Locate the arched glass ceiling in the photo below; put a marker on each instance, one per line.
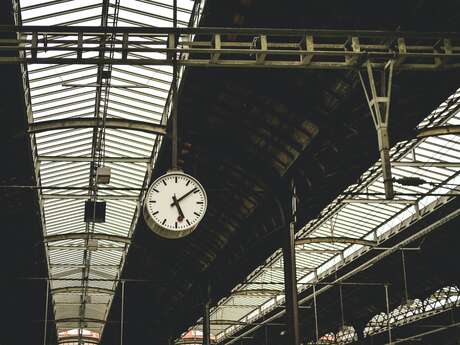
(84, 274)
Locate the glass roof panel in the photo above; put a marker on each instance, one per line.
(59, 92)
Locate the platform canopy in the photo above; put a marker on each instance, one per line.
(81, 117)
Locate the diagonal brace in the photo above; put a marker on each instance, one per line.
(378, 96)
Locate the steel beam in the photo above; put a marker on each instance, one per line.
(345, 240)
(49, 196)
(79, 290)
(378, 201)
(420, 164)
(278, 48)
(81, 266)
(74, 340)
(257, 292)
(85, 236)
(78, 319)
(89, 159)
(437, 131)
(207, 323)
(378, 96)
(290, 274)
(51, 125)
(107, 248)
(317, 251)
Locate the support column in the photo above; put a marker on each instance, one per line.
(45, 328)
(387, 302)
(206, 317)
(378, 97)
(290, 276)
(122, 312)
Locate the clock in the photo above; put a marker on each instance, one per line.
(174, 205)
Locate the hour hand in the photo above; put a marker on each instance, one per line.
(179, 209)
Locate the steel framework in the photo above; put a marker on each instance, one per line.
(229, 47)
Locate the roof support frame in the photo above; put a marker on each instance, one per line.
(423, 47)
(84, 236)
(49, 125)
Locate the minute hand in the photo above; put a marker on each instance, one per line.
(185, 195)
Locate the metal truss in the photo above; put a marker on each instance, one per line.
(230, 47)
(441, 300)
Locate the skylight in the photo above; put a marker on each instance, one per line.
(83, 272)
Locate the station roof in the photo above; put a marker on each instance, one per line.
(250, 132)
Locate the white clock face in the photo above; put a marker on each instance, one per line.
(175, 202)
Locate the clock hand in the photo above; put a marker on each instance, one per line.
(184, 196)
(179, 209)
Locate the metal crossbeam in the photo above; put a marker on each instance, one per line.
(90, 159)
(420, 164)
(437, 131)
(147, 127)
(85, 236)
(231, 47)
(85, 197)
(345, 240)
(79, 290)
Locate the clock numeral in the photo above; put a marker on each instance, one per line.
(176, 225)
(154, 213)
(175, 179)
(155, 190)
(187, 221)
(199, 202)
(196, 190)
(196, 213)
(188, 182)
(163, 222)
(164, 182)
(152, 201)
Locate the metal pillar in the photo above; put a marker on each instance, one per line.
(388, 314)
(290, 276)
(316, 314)
(122, 316)
(206, 318)
(378, 99)
(174, 144)
(45, 328)
(406, 292)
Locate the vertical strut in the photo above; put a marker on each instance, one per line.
(316, 314)
(388, 314)
(206, 315)
(122, 316)
(378, 99)
(174, 148)
(46, 311)
(406, 293)
(290, 275)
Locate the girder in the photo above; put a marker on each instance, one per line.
(252, 48)
(346, 240)
(79, 290)
(85, 236)
(50, 125)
